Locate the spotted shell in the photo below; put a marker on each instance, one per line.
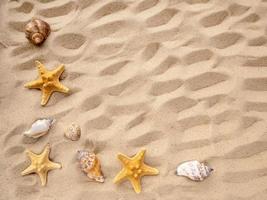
(37, 31)
(194, 170)
(73, 132)
(90, 165)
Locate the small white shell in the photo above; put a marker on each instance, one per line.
(194, 170)
(39, 128)
(73, 132)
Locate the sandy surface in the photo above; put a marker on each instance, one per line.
(185, 79)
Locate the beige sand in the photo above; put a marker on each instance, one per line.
(186, 79)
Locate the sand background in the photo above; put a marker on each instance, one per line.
(185, 79)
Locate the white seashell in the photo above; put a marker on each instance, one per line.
(73, 132)
(39, 128)
(194, 170)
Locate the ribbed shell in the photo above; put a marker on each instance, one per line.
(37, 31)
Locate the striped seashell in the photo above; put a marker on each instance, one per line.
(37, 31)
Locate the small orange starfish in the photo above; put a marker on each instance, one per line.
(48, 82)
(133, 169)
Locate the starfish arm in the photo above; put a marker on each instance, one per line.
(43, 177)
(28, 170)
(46, 94)
(147, 170)
(136, 184)
(46, 151)
(31, 155)
(59, 70)
(120, 176)
(124, 159)
(140, 155)
(40, 67)
(53, 165)
(61, 88)
(36, 84)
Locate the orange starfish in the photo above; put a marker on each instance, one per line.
(48, 82)
(133, 169)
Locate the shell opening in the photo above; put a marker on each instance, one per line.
(38, 38)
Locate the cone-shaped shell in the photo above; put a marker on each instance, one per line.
(194, 170)
(90, 165)
(37, 31)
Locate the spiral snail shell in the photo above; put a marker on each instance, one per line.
(37, 31)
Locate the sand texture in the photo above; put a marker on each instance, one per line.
(185, 79)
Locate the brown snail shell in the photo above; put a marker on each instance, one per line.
(37, 31)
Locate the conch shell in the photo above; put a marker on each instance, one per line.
(39, 128)
(73, 132)
(37, 31)
(90, 165)
(194, 170)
